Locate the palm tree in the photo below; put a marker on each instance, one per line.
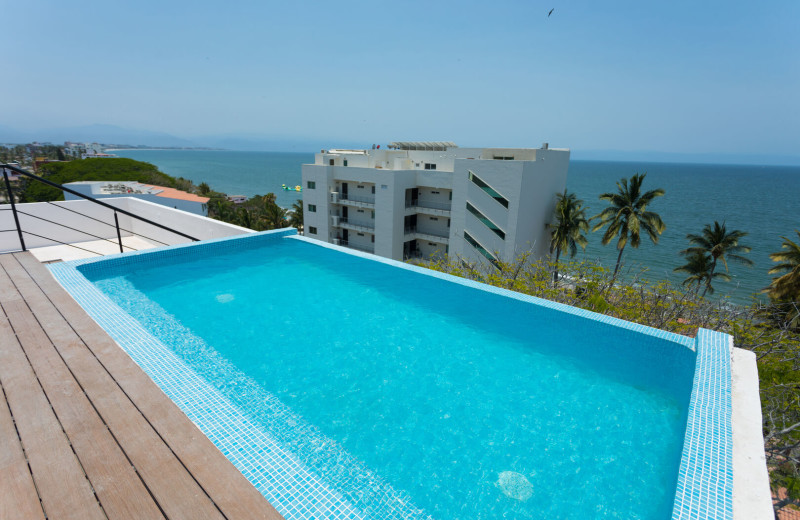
(627, 215)
(720, 244)
(699, 268)
(296, 216)
(567, 231)
(273, 214)
(786, 288)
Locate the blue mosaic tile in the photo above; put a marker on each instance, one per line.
(705, 479)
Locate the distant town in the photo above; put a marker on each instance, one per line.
(29, 155)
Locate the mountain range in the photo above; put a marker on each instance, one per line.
(111, 134)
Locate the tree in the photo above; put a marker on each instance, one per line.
(785, 289)
(567, 232)
(627, 216)
(274, 215)
(699, 267)
(204, 189)
(720, 244)
(296, 215)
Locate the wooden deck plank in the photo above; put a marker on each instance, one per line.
(18, 496)
(114, 480)
(166, 478)
(60, 480)
(236, 497)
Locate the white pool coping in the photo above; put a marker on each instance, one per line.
(752, 499)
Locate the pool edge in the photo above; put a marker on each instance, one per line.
(708, 345)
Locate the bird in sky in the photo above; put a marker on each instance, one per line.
(551, 12)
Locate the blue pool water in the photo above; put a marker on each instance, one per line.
(463, 403)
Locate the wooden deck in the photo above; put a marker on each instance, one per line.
(84, 432)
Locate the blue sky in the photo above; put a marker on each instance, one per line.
(694, 77)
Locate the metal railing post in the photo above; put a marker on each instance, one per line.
(119, 236)
(14, 209)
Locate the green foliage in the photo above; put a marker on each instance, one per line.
(116, 169)
(627, 215)
(567, 233)
(296, 215)
(715, 243)
(784, 290)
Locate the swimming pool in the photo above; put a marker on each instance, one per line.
(347, 387)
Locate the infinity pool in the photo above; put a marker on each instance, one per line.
(408, 396)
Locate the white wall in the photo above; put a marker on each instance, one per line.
(95, 221)
(102, 223)
(191, 206)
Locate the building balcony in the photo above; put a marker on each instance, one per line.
(356, 225)
(429, 207)
(352, 200)
(414, 233)
(360, 247)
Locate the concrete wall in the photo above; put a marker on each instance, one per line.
(96, 221)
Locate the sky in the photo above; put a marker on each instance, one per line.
(708, 77)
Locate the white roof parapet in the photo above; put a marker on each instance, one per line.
(435, 146)
(344, 151)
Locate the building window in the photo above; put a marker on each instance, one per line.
(312, 230)
(345, 162)
(488, 189)
(451, 195)
(434, 193)
(373, 190)
(373, 239)
(430, 166)
(482, 250)
(330, 162)
(373, 214)
(311, 185)
(502, 158)
(360, 210)
(360, 187)
(433, 218)
(491, 225)
(360, 234)
(312, 208)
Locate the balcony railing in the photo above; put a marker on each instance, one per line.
(430, 204)
(360, 247)
(368, 224)
(411, 230)
(353, 198)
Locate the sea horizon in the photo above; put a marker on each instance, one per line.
(757, 199)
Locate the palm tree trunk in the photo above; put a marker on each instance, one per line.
(710, 277)
(616, 269)
(555, 270)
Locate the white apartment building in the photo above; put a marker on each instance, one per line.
(419, 199)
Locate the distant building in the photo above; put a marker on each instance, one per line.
(417, 199)
(237, 199)
(159, 194)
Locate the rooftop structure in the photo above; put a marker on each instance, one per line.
(421, 199)
(171, 197)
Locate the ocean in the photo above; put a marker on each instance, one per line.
(763, 201)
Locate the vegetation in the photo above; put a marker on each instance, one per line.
(784, 290)
(296, 215)
(116, 169)
(715, 243)
(567, 232)
(258, 213)
(627, 215)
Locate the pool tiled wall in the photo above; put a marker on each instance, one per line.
(704, 488)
